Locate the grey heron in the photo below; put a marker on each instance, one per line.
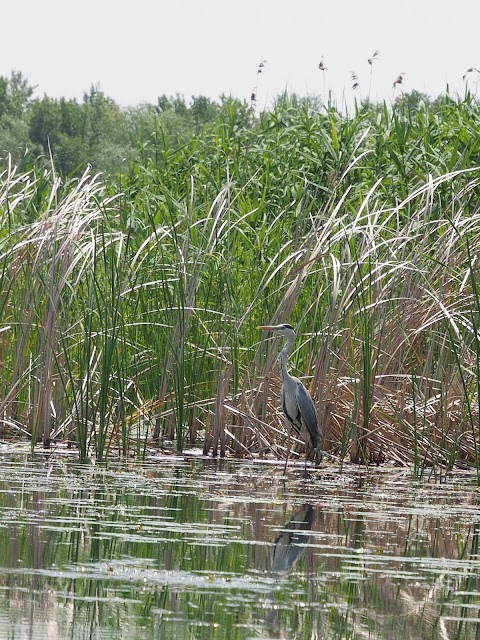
(297, 404)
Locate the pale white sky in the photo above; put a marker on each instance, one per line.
(137, 50)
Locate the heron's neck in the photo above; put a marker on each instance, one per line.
(286, 351)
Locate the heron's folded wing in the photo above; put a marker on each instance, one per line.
(308, 412)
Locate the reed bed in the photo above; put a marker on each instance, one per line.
(130, 305)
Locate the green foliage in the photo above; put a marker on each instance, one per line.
(98, 132)
(15, 99)
(15, 95)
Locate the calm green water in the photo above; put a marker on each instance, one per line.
(190, 549)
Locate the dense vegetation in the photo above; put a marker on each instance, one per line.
(130, 302)
(97, 131)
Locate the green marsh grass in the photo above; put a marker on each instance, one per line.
(130, 307)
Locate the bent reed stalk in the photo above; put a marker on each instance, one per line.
(129, 315)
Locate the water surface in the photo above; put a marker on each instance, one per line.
(192, 549)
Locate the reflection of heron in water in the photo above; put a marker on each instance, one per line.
(289, 548)
(290, 544)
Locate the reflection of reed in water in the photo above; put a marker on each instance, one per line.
(450, 606)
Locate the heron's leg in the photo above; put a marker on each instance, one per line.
(288, 450)
(308, 455)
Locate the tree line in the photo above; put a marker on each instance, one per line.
(96, 130)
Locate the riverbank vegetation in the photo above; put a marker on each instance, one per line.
(130, 299)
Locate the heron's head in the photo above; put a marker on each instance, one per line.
(283, 329)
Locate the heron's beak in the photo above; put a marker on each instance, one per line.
(266, 327)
